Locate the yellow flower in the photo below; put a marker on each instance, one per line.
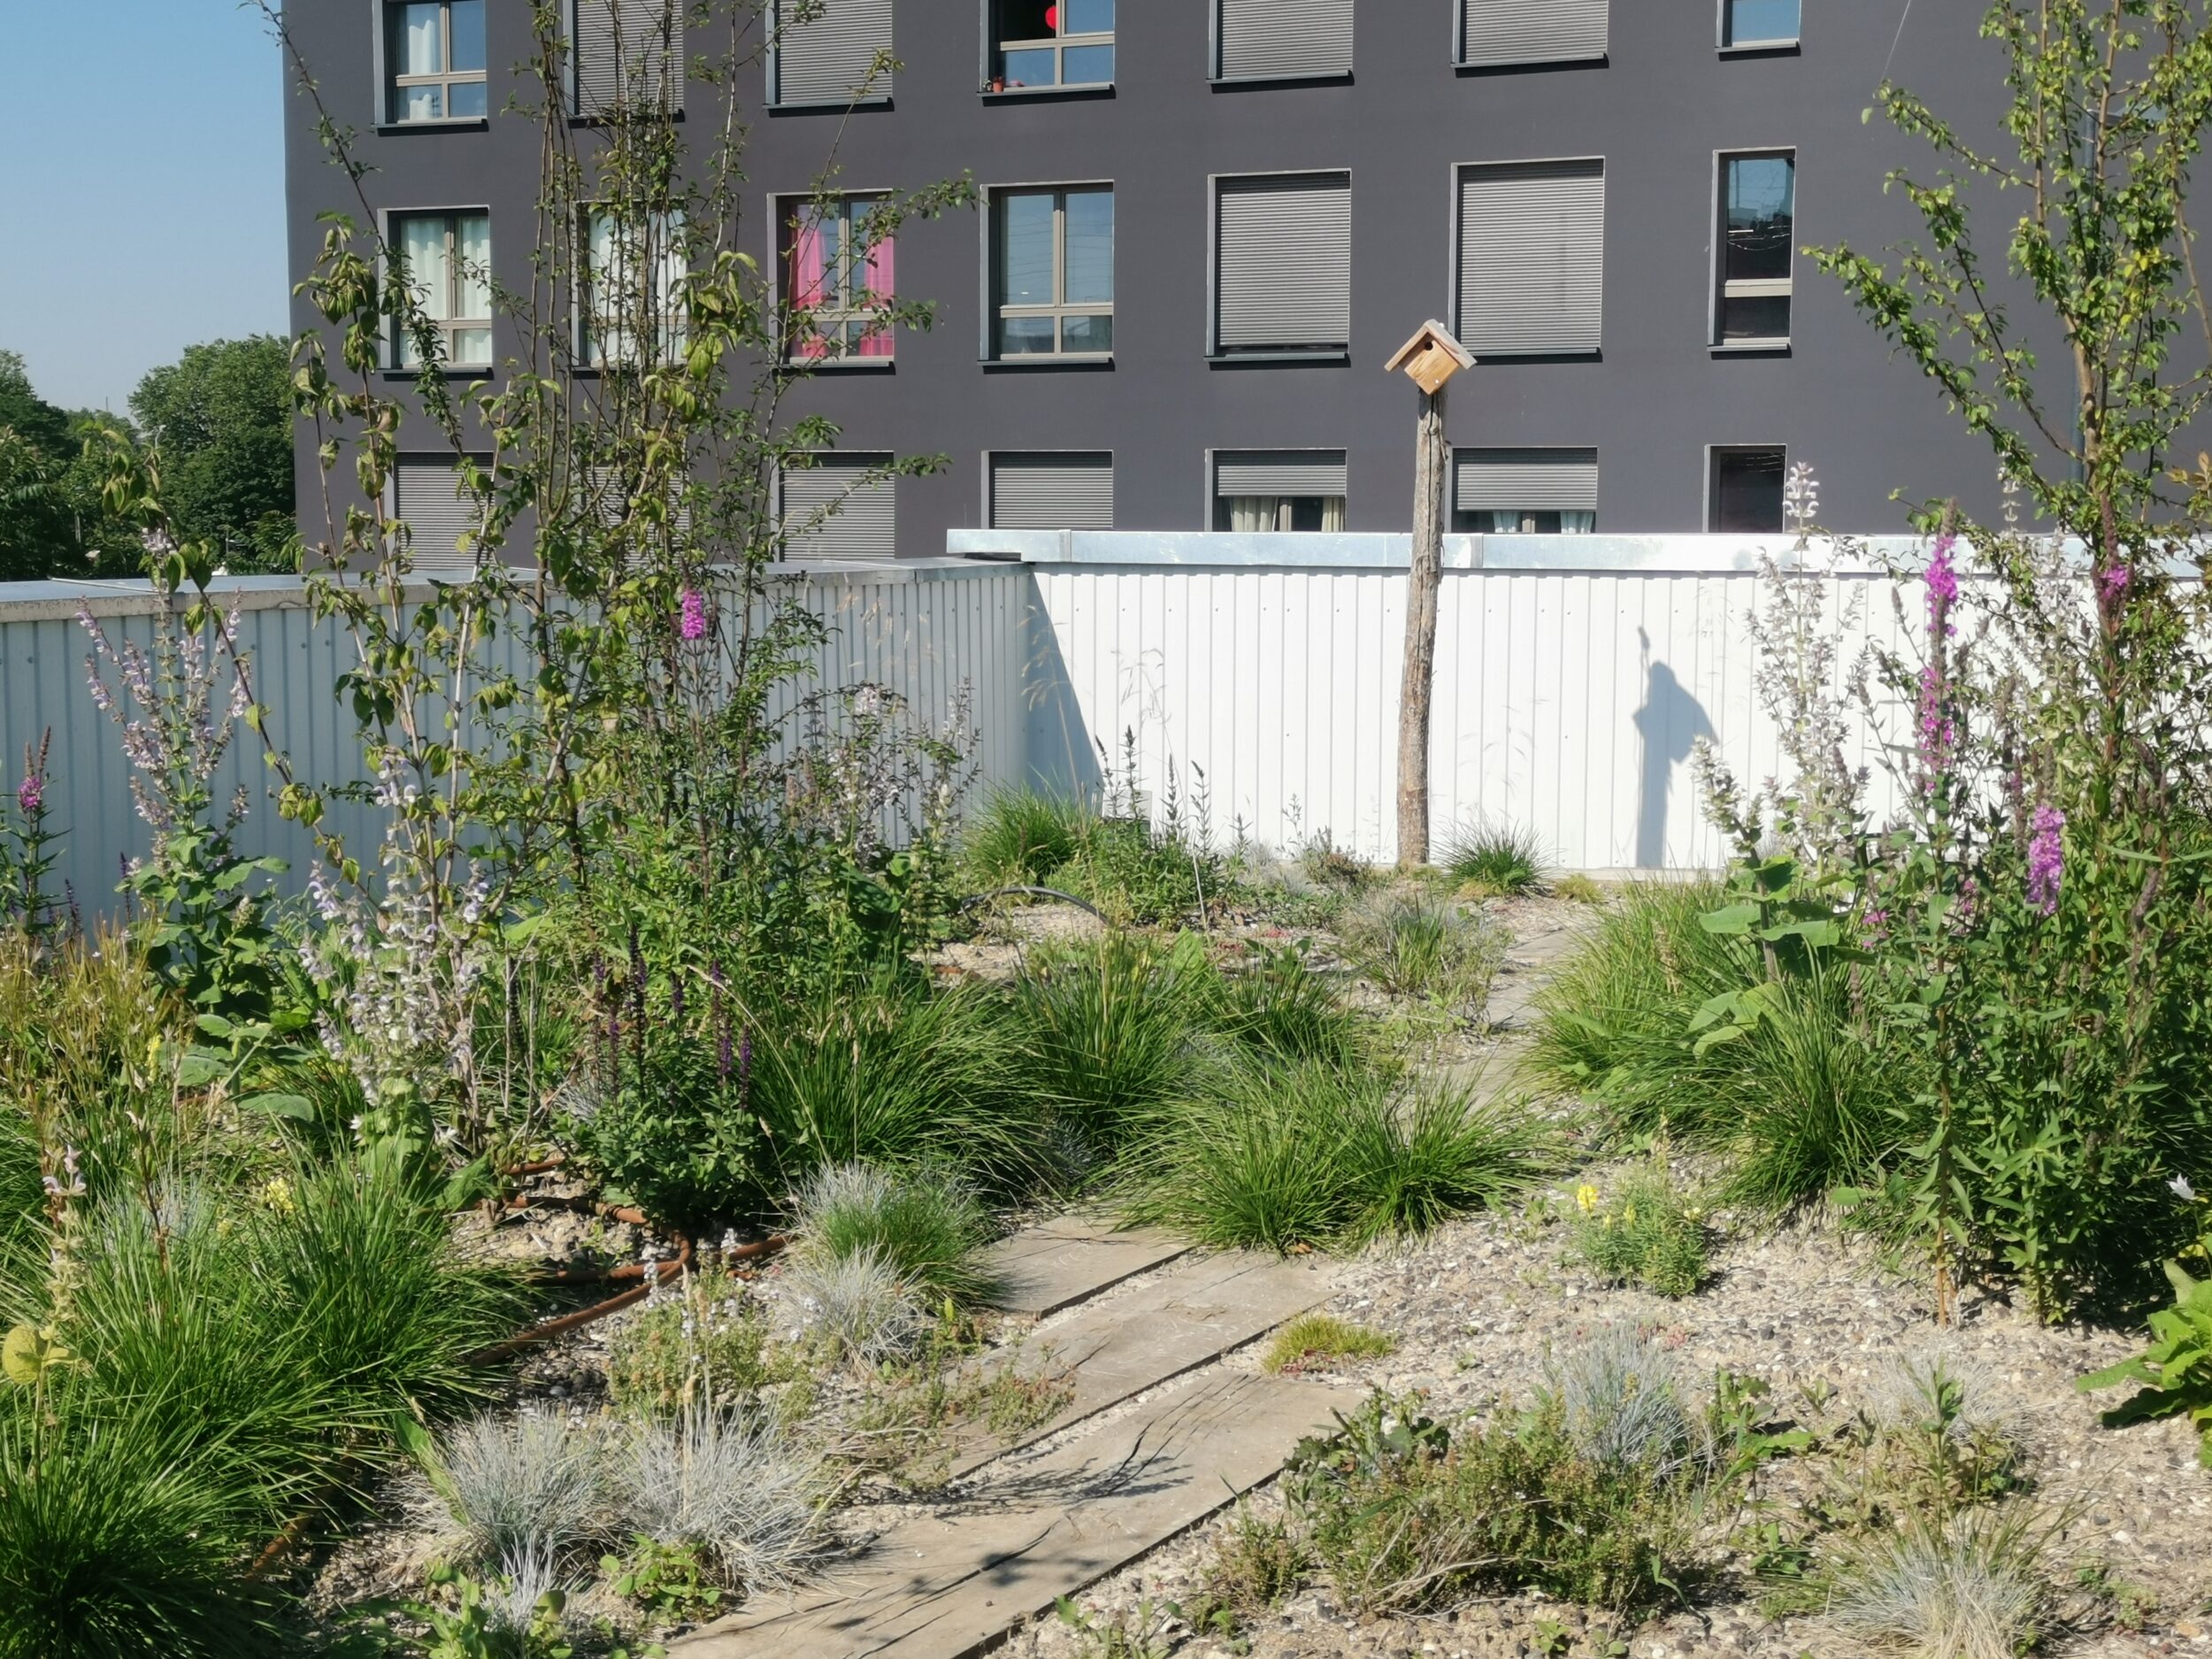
(1587, 1195)
(277, 1193)
(1605, 1224)
(1628, 1216)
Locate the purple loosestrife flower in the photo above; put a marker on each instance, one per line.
(1943, 582)
(2114, 581)
(692, 621)
(30, 794)
(2046, 857)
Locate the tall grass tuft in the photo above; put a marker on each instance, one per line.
(926, 1225)
(1415, 944)
(1280, 1007)
(1021, 837)
(1496, 858)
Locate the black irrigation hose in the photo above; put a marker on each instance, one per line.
(1034, 892)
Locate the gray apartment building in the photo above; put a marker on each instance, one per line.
(1210, 222)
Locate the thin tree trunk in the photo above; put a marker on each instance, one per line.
(1417, 686)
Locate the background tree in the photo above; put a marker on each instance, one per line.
(220, 420)
(52, 521)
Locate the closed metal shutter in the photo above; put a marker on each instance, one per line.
(1532, 31)
(1532, 258)
(1284, 263)
(828, 60)
(621, 50)
(1264, 39)
(1052, 492)
(862, 521)
(426, 497)
(1279, 472)
(1533, 481)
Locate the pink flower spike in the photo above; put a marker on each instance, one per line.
(2047, 858)
(692, 622)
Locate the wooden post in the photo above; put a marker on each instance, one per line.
(1430, 358)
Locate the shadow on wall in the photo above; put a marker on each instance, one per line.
(1062, 750)
(1669, 725)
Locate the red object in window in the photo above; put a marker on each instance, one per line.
(1052, 18)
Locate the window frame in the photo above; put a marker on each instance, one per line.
(671, 326)
(1215, 498)
(774, 98)
(1723, 287)
(1713, 454)
(996, 48)
(996, 311)
(1463, 65)
(1455, 511)
(397, 343)
(1216, 352)
(990, 480)
(1215, 50)
(391, 84)
(786, 211)
(1728, 48)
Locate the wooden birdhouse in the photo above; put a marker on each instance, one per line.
(1431, 357)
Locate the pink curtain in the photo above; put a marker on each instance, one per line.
(807, 286)
(882, 289)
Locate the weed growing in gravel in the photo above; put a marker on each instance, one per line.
(1312, 1342)
(1418, 945)
(1257, 1564)
(1578, 888)
(1646, 1230)
(1146, 1633)
(1496, 858)
(1942, 1435)
(916, 1409)
(705, 1344)
(668, 1584)
(926, 1224)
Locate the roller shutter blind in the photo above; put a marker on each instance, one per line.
(863, 521)
(620, 49)
(1264, 39)
(826, 60)
(1532, 31)
(427, 496)
(1279, 472)
(1532, 258)
(1052, 492)
(1535, 480)
(1283, 263)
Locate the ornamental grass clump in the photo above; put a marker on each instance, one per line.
(926, 1225)
(1490, 860)
(1023, 837)
(1976, 1587)
(522, 1485)
(732, 1486)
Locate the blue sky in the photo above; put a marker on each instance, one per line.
(141, 191)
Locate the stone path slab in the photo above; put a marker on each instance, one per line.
(1043, 1269)
(950, 1585)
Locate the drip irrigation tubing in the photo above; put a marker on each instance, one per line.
(1034, 892)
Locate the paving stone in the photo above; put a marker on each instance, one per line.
(1045, 1269)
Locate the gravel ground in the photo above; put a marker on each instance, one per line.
(1475, 1308)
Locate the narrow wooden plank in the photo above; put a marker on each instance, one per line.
(1155, 1334)
(949, 1586)
(1045, 1269)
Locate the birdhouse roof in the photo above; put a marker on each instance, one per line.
(1431, 334)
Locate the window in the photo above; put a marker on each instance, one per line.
(448, 259)
(1525, 491)
(1497, 33)
(1283, 265)
(833, 57)
(1744, 491)
(634, 273)
(1758, 215)
(1051, 490)
(428, 496)
(1281, 40)
(1054, 271)
(839, 272)
(1051, 43)
(1748, 25)
(629, 54)
(434, 50)
(1258, 490)
(1532, 258)
(841, 507)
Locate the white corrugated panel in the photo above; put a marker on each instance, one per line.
(1283, 270)
(1532, 31)
(1052, 491)
(426, 497)
(834, 511)
(1279, 472)
(1538, 480)
(1283, 40)
(626, 49)
(826, 60)
(1532, 258)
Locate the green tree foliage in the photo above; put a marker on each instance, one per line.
(50, 516)
(220, 418)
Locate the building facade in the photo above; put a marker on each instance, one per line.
(1209, 223)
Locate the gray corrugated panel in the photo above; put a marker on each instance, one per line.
(1284, 268)
(626, 48)
(826, 60)
(1533, 31)
(1052, 492)
(427, 496)
(1532, 258)
(858, 519)
(1541, 480)
(1279, 472)
(1265, 40)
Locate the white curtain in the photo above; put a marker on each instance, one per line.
(472, 298)
(1574, 523)
(422, 244)
(1253, 514)
(1333, 514)
(423, 42)
(1504, 522)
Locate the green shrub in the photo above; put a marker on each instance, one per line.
(926, 1225)
(1497, 859)
(1645, 1232)
(1311, 1340)
(2176, 1371)
(1023, 837)
(1415, 944)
